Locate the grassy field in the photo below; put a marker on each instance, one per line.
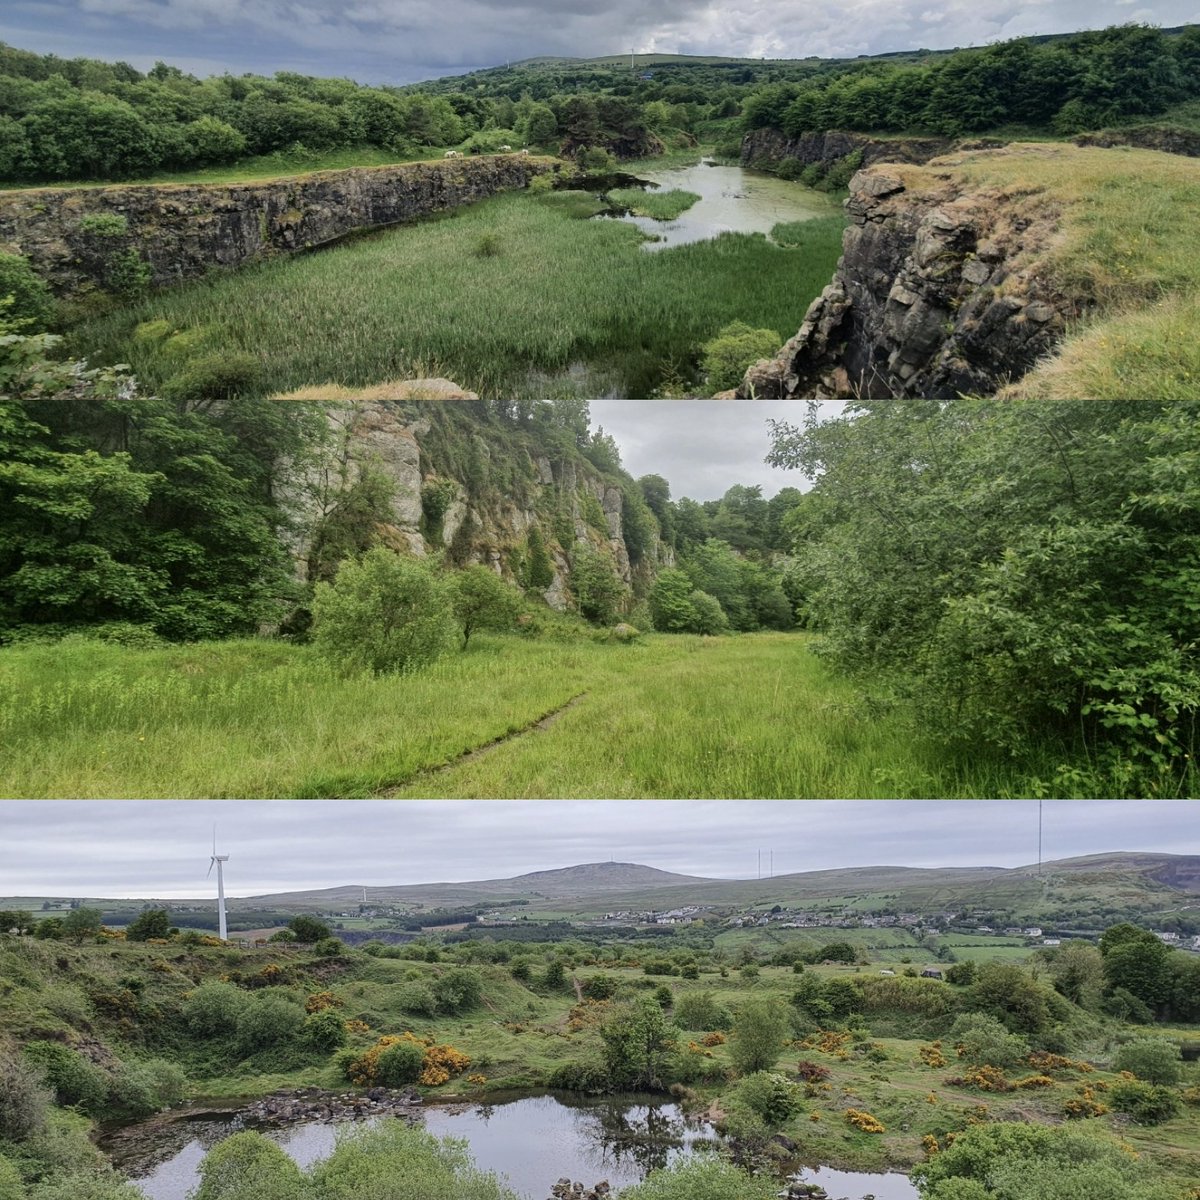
(1127, 236)
(671, 716)
(512, 296)
(662, 206)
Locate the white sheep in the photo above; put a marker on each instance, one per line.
(454, 154)
(523, 152)
(505, 149)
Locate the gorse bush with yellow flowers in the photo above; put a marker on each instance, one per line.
(397, 1059)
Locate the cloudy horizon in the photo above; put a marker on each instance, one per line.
(408, 41)
(160, 849)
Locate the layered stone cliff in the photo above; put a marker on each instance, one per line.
(184, 230)
(493, 491)
(938, 292)
(826, 147)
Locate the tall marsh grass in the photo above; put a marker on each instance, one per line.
(552, 291)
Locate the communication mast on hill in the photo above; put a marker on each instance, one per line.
(216, 861)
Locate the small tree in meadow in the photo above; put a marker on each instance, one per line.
(482, 600)
(153, 923)
(759, 1031)
(734, 349)
(383, 612)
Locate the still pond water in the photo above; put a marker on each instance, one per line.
(532, 1141)
(732, 200)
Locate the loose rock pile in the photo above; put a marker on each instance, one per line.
(564, 1189)
(313, 1104)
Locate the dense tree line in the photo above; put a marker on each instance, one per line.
(1085, 81)
(1024, 570)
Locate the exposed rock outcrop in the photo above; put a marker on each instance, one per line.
(184, 230)
(938, 292)
(771, 146)
(1146, 137)
(565, 497)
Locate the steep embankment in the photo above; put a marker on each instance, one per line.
(965, 274)
(460, 482)
(771, 147)
(73, 236)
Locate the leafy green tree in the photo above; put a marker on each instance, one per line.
(482, 600)
(702, 1178)
(77, 1082)
(671, 608)
(266, 1021)
(152, 923)
(773, 1098)
(638, 1041)
(539, 570)
(759, 1031)
(458, 989)
(986, 1042)
(597, 589)
(212, 1010)
(383, 613)
(1012, 996)
(701, 1011)
(81, 923)
(308, 928)
(1077, 969)
(31, 298)
(16, 922)
(1137, 962)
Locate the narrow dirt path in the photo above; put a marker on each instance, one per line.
(544, 722)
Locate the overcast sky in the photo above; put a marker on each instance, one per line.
(700, 447)
(161, 849)
(402, 41)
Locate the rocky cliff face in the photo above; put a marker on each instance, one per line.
(566, 498)
(771, 146)
(937, 293)
(184, 230)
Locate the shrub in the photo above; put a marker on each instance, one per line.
(143, 1088)
(580, 1076)
(710, 616)
(737, 346)
(249, 1166)
(383, 613)
(980, 1040)
(864, 1121)
(770, 1096)
(325, 1030)
(267, 1021)
(1146, 1103)
(31, 298)
(221, 376)
(416, 997)
(329, 947)
(702, 1179)
(758, 1034)
(457, 989)
(11, 1187)
(482, 600)
(24, 1099)
(400, 1063)
(1154, 1059)
(103, 225)
(601, 987)
(700, 1010)
(77, 1082)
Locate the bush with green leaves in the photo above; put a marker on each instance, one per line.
(76, 1080)
(11, 1185)
(152, 923)
(31, 298)
(268, 1020)
(24, 1099)
(703, 1179)
(324, 1030)
(1146, 1103)
(383, 613)
(1153, 1059)
(1024, 1161)
(147, 1086)
(416, 997)
(400, 1064)
(598, 591)
(392, 1160)
(638, 1044)
(710, 616)
(701, 1011)
(773, 1098)
(457, 989)
(725, 357)
(249, 1166)
(213, 1009)
(986, 1042)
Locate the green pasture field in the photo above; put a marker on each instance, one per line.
(669, 716)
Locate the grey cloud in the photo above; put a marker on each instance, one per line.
(161, 848)
(400, 41)
(701, 447)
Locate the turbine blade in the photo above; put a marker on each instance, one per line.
(210, 867)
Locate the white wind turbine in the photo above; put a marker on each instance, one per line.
(217, 860)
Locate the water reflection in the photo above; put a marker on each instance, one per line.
(732, 200)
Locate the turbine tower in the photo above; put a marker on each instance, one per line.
(217, 860)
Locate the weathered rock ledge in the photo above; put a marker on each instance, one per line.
(829, 145)
(315, 1104)
(937, 293)
(184, 230)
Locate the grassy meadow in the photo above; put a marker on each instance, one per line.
(515, 296)
(1126, 235)
(670, 716)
